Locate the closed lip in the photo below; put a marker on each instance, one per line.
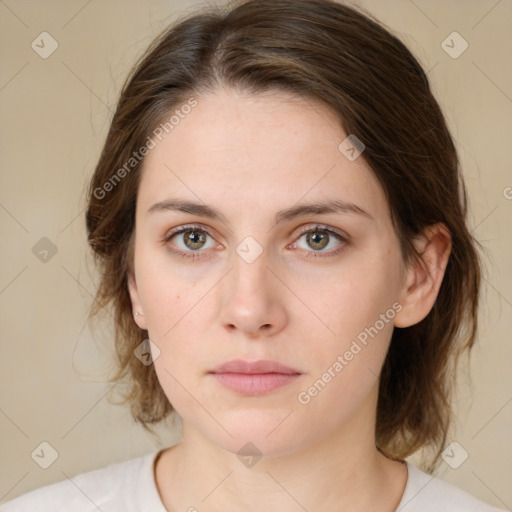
(255, 367)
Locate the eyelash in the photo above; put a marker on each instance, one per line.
(310, 254)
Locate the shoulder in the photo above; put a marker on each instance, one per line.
(110, 489)
(427, 493)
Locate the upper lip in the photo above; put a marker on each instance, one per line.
(261, 366)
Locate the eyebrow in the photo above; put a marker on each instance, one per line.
(203, 210)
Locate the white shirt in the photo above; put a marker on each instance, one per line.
(130, 487)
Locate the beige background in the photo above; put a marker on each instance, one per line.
(54, 117)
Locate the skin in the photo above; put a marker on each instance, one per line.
(250, 156)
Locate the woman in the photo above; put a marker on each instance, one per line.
(280, 224)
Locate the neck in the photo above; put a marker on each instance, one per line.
(355, 476)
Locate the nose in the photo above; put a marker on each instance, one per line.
(252, 299)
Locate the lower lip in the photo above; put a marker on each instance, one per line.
(255, 383)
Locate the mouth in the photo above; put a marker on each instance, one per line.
(254, 378)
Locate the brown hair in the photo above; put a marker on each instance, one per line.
(328, 52)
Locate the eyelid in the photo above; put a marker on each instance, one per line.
(323, 227)
(185, 227)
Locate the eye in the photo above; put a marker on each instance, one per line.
(189, 240)
(322, 240)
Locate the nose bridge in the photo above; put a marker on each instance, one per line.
(249, 276)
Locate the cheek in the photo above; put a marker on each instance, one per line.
(345, 366)
(167, 295)
(348, 299)
(176, 311)
(356, 305)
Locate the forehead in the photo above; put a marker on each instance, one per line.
(259, 152)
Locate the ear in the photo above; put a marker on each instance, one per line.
(140, 320)
(424, 277)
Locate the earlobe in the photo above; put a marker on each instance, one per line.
(138, 313)
(424, 275)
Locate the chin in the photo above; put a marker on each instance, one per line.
(267, 432)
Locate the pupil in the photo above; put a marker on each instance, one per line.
(195, 238)
(319, 238)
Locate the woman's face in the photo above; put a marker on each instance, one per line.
(316, 291)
